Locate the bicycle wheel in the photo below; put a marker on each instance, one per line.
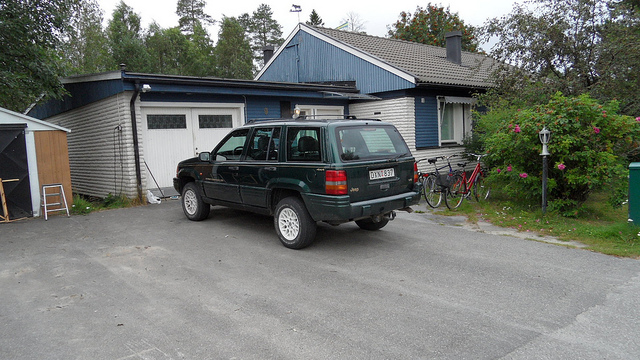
(457, 191)
(481, 190)
(431, 191)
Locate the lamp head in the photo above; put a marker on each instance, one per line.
(545, 136)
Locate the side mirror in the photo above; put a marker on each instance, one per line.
(204, 156)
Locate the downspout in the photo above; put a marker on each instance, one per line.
(136, 147)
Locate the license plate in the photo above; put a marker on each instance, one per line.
(381, 174)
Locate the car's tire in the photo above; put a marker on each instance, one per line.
(294, 226)
(369, 224)
(194, 208)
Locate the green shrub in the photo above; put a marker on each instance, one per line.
(589, 146)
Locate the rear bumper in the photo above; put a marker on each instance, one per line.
(338, 208)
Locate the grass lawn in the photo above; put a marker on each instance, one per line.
(597, 225)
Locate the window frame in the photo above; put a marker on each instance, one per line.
(460, 108)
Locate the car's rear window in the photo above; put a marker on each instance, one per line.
(370, 142)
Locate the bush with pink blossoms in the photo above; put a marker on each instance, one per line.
(589, 151)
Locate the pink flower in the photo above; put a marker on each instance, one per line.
(596, 130)
(498, 170)
(638, 119)
(509, 168)
(517, 129)
(524, 175)
(561, 166)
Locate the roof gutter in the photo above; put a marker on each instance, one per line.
(136, 146)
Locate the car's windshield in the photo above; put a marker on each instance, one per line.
(370, 142)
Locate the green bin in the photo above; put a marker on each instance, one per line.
(634, 193)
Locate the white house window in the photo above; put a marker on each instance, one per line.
(455, 118)
(447, 129)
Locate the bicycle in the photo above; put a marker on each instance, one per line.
(435, 184)
(461, 186)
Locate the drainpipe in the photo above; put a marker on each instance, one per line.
(136, 147)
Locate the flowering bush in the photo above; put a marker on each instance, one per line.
(588, 144)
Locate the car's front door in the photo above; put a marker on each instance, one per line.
(260, 166)
(223, 181)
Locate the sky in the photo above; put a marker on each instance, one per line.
(375, 15)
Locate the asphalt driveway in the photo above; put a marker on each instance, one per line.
(146, 283)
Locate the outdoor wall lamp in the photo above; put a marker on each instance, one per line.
(296, 112)
(545, 136)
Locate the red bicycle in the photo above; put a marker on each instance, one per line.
(461, 185)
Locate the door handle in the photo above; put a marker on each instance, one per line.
(270, 168)
(234, 168)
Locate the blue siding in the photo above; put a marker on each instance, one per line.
(426, 121)
(309, 59)
(82, 94)
(263, 108)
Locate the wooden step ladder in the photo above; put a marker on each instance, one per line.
(62, 199)
(5, 211)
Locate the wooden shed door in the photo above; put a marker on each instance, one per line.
(14, 165)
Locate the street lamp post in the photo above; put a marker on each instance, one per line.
(545, 136)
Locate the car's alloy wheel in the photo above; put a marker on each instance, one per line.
(295, 227)
(289, 224)
(194, 208)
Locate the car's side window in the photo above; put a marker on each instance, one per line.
(303, 144)
(264, 144)
(231, 147)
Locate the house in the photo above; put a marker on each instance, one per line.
(426, 91)
(33, 153)
(130, 130)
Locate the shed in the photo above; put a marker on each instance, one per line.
(32, 153)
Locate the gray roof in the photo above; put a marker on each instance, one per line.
(427, 63)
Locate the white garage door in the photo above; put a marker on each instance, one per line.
(174, 133)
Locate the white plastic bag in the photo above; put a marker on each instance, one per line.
(152, 199)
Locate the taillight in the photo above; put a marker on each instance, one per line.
(415, 172)
(336, 182)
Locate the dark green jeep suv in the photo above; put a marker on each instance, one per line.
(302, 171)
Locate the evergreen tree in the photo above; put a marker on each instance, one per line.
(168, 50)
(84, 44)
(191, 13)
(202, 49)
(315, 19)
(233, 51)
(125, 39)
(262, 30)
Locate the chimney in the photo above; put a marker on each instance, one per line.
(267, 53)
(454, 46)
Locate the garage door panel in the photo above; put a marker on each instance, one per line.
(173, 134)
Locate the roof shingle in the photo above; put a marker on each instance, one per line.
(427, 63)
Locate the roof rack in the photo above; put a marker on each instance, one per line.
(346, 117)
(310, 117)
